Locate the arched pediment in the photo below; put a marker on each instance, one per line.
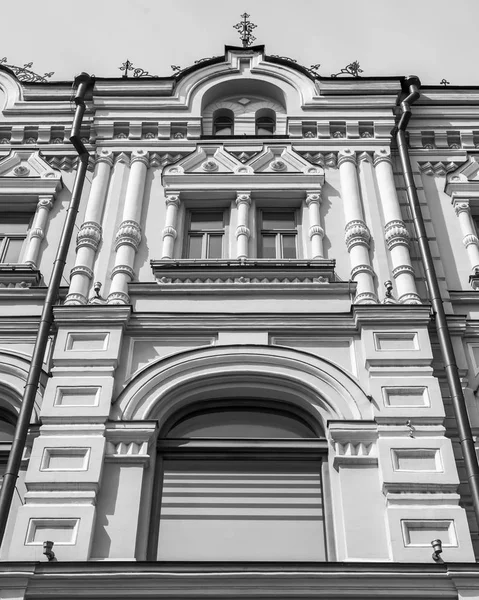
(245, 74)
(271, 373)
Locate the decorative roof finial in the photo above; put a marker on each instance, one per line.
(245, 29)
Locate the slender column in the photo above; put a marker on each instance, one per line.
(89, 236)
(357, 234)
(128, 236)
(470, 239)
(37, 232)
(396, 234)
(316, 232)
(170, 231)
(243, 202)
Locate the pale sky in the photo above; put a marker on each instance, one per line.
(433, 39)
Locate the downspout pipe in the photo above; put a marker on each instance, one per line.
(82, 81)
(411, 87)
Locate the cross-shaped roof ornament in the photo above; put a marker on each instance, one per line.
(245, 29)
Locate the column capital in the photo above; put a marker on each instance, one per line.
(104, 156)
(345, 156)
(382, 155)
(45, 201)
(313, 196)
(172, 198)
(139, 156)
(243, 197)
(461, 205)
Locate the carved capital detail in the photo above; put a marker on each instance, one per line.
(129, 233)
(173, 200)
(45, 202)
(89, 235)
(242, 230)
(356, 232)
(382, 155)
(345, 156)
(396, 233)
(125, 269)
(470, 240)
(81, 270)
(313, 197)
(139, 156)
(104, 156)
(462, 206)
(243, 197)
(316, 230)
(169, 231)
(118, 298)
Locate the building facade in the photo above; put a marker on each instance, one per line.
(243, 392)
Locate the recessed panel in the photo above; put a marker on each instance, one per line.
(406, 396)
(421, 532)
(420, 459)
(59, 531)
(395, 341)
(65, 459)
(77, 396)
(83, 342)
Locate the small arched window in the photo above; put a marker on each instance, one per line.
(223, 122)
(265, 122)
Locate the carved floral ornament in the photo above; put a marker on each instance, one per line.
(356, 232)
(210, 166)
(129, 233)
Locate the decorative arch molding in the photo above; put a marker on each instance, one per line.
(197, 89)
(13, 377)
(12, 88)
(288, 376)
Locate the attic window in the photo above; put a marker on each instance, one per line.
(223, 122)
(265, 122)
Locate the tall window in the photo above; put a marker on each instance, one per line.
(223, 122)
(205, 234)
(240, 483)
(278, 235)
(265, 122)
(13, 232)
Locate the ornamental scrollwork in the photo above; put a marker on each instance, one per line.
(313, 197)
(460, 207)
(25, 73)
(243, 198)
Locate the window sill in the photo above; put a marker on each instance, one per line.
(19, 275)
(222, 274)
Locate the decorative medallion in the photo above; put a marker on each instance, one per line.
(21, 171)
(278, 165)
(209, 166)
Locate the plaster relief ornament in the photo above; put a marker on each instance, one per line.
(179, 136)
(309, 134)
(278, 165)
(21, 171)
(210, 166)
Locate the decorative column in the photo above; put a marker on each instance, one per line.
(128, 236)
(89, 236)
(37, 232)
(243, 202)
(170, 232)
(357, 233)
(470, 239)
(396, 234)
(316, 232)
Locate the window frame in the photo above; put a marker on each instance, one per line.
(6, 237)
(278, 233)
(205, 234)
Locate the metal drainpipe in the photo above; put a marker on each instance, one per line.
(411, 87)
(14, 460)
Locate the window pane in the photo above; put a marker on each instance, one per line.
(279, 220)
(215, 246)
(194, 246)
(13, 249)
(268, 246)
(289, 246)
(201, 221)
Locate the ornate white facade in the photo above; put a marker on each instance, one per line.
(243, 393)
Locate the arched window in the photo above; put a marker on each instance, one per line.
(7, 430)
(223, 122)
(239, 480)
(265, 119)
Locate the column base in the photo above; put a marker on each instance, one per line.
(118, 298)
(75, 300)
(410, 299)
(366, 298)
